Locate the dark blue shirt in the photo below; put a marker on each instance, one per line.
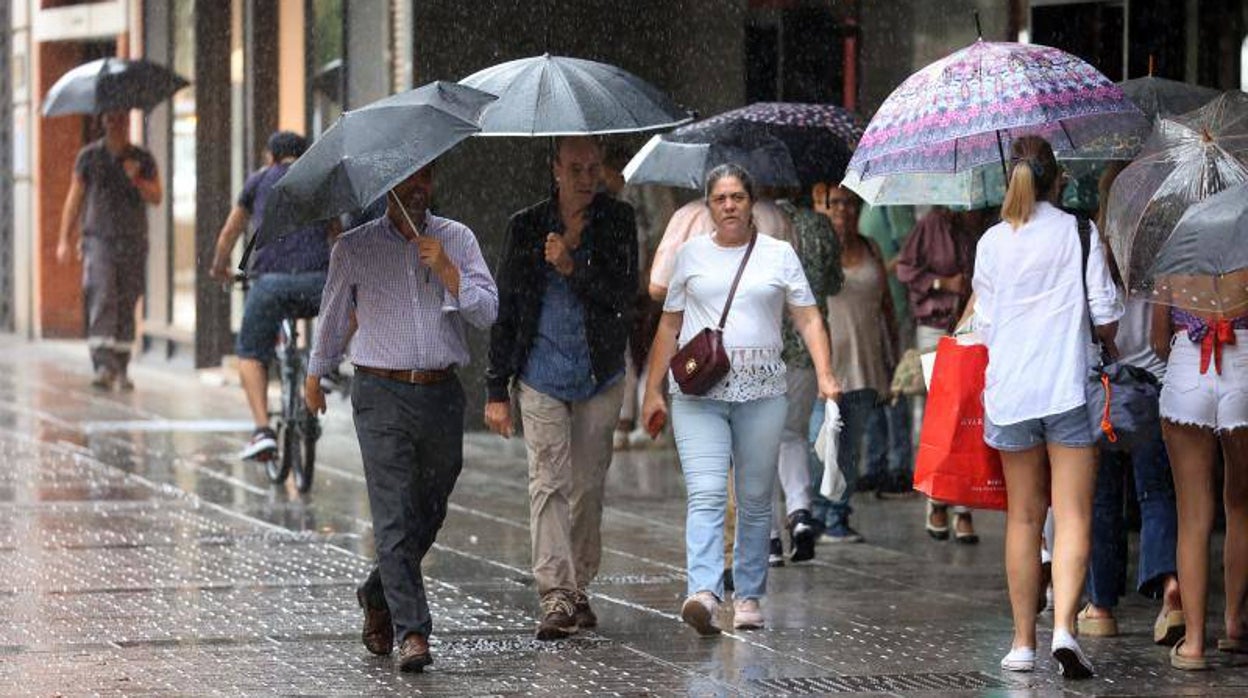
(306, 249)
(558, 364)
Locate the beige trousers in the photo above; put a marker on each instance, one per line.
(569, 449)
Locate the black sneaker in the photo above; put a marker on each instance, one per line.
(804, 534)
(775, 557)
(263, 441)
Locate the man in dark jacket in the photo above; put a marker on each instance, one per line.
(566, 286)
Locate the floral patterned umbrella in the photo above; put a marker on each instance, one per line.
(962, 111)
(820, 137)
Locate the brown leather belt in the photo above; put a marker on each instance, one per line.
(414, 376)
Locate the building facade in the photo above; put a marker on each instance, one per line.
(258, 65)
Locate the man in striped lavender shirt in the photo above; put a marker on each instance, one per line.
(412, 281)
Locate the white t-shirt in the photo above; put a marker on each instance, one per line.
(1031, 310)
(699, 286)
(694, 220)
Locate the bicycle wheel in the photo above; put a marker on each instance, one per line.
(304, 465)
(276, 466)
(290, 441)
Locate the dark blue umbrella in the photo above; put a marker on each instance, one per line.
(111, 84)
(820, 138)
(559, 96)
(368, 151)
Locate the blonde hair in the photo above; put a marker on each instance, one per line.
(1033, 170)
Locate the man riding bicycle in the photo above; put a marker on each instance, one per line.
(286, 277)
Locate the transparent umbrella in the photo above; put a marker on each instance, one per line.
(1186, 159)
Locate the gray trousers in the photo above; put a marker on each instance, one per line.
(412, 442)
(112, 280)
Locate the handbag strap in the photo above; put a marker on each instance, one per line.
(1085, 245)
(723, 318)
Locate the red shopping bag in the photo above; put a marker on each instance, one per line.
(954, 465)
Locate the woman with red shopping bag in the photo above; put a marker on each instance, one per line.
(1030, 310)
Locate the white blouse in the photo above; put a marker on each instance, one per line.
(1031, 311)
(699, 287)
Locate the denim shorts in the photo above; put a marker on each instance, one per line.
(1070, 428)
(270, 298)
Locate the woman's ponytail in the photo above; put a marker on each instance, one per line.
(1020, 197)
(1033, 170)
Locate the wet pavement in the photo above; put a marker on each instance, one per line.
(139, 556)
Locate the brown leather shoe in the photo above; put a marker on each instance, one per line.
(557, 616)
(582, 613)
(378, 632)
(414, 653)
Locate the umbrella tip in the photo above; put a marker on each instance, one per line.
(979, 30)
(1152, 64)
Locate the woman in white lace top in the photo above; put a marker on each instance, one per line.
(738, 422)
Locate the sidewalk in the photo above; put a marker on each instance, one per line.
(138, 556)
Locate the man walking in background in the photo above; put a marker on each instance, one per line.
(113, 184)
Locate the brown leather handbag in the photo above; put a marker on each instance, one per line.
(702, 362)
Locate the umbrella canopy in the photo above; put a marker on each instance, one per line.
(820, 137)
(662, 161)
(111, 84)
(1187, 159)
(962, 111)
(972, 188)
(558, 96)
(368, 151)
(1204, 263)
(1158, 97)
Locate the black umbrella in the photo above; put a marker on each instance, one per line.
(1158, 97)
(111, 84)
(558, 96)
(664, 161)
(368, 151)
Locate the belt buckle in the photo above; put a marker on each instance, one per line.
(411, 376)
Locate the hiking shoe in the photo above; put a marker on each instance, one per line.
(746, 615)
(103, 379)
(803, 534)
(841, 532)
(775, 554)
(557, 620)
(699, 612)
(582, 613)
(263, 441)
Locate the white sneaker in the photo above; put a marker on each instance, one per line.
(699, 612)
(263, 441)
(746, 615)
(619, 440)
(1072, 663)
(1019, 659)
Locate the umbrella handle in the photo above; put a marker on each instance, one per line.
(407, 217)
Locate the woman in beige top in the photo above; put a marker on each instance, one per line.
(864, 337)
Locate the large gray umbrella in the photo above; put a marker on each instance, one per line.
(663, 161)
(111, 84)
(558, 96)
(1203, 265)
(368, 151)
(1159, 97)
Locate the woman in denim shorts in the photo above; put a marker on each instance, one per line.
(1032, 312)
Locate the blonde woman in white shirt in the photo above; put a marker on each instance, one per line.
(1032, 312)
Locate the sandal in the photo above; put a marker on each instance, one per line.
(1233, 646)
(1096, 626)
(964, 537)
(937, 532)
(1182, 663)
(1169, 627)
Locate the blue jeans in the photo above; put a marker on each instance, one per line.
(1154, 487)
(856, 407)
(271, 298)
(889, 449)
(712, 437)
